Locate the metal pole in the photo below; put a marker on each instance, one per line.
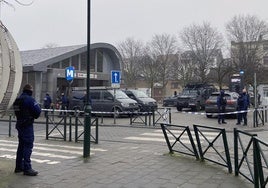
(87, 125)
(255, 114)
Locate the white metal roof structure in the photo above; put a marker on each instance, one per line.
(10, 69)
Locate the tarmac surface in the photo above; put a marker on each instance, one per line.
(119, 160)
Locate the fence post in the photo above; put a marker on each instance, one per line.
(265, 114)
(70, 128)
(255, 117)
(236, 151)
(9, 127)
(256, 162)
(224, 137)
(47, 127)
(64, 128)
(97, 130)
(169, 113)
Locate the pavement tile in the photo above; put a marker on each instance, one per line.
(125, 164)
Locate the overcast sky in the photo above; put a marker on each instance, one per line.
(64, 22)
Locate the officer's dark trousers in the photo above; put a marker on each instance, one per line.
(25, 146)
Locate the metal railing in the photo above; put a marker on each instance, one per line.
(203, 148)
(155, 117)
(253, 158)
(260, 116)
(176, 136)
(57, 127)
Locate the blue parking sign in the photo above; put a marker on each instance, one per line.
(69, 73)
(115, 77)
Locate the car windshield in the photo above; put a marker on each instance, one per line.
(190, 92)
(119, 94)
(139, 94)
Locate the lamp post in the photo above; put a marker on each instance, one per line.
(87, 125)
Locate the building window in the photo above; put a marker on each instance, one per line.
(92, 61)
(84, 61)
(265, 47)
(99, 61)
(174, 85)
(75, 62)
(65, 63)
(55, 65)
(265, 60)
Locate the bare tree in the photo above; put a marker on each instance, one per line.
(131, 51)
(148, 68)
(203, 41)
(246, 34)
(162, 51)
(184, 68)
(221, 73)
(21, 2)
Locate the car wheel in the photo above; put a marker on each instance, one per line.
(116, 113)
(209, 116)
(197, 107)
(179, 108)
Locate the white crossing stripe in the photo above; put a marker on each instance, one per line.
(158, 136)
(44, 153)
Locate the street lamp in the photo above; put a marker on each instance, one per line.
(87, 126)
(241, 73)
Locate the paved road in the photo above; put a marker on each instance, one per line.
(126, 156)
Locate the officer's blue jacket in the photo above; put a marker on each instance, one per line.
(26, 109)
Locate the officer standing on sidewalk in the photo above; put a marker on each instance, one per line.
(26, 110)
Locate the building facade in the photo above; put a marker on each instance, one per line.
(45, 68)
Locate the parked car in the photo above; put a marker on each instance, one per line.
(194, 96)
(145, 102)
(211, 103)
(170, 101)
(103, 100)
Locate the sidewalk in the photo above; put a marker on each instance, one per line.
(117, 163)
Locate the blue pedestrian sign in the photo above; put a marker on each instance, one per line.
(115, 78)
(69, 73)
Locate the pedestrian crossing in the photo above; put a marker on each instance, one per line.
(49, 153)
(158, 136)
(45, 153)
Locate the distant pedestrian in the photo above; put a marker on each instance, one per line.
(47, 103)
(221, 103)
(64, 103)
(26, 110)
(243, 104)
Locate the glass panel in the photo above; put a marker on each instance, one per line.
(99, 61)
(92, 61)
(56, 65)
(65, 63)
(83, 61)
(75, 62)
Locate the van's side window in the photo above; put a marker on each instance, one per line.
(107, 95)
(95, 95)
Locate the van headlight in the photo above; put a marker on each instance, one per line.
(125, 104)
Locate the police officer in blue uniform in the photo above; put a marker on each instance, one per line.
(221, 103)
(26, 110)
